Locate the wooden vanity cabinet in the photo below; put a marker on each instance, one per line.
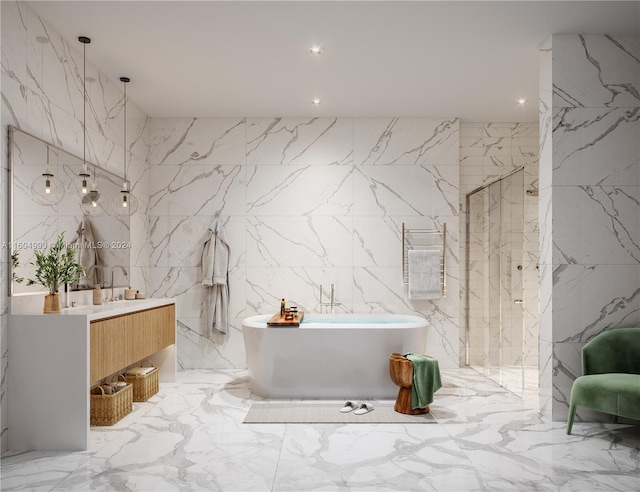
(108, 347)
(120, 341)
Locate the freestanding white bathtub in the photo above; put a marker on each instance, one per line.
(329, 356)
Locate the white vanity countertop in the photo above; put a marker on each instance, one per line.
(106, 310)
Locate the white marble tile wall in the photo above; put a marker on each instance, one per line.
(545, 104)
(487, 152)
(590, 197)
(305, 202)
(42, 94)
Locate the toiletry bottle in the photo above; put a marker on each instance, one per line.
(282, 308)
(129, 294)
(97, 296)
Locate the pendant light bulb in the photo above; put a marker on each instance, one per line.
(92, 203)
(125, 204)
(84, 174)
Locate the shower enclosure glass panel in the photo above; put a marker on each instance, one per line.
(495, 231)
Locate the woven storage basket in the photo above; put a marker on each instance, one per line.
(144, 387)
(108, 409)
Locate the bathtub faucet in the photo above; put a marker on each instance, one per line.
(332, 299)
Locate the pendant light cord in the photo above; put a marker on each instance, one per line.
(124, 81)
(125, 132)
(84, 106)
(85, 172)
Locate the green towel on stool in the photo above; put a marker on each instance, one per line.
(426, 380)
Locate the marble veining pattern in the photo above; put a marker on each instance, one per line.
(596, 71)
(299, 142)
(299, 191)
(613, 233)
(589, 198)
(196, 190)
(191, 437)
(405, 142)
(595, 134)
(193, 141)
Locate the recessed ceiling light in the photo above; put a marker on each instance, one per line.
(315, 50)
(522, 101)
(316, 102)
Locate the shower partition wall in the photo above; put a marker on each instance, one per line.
(495, 290)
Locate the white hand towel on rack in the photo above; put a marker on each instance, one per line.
(425, 274)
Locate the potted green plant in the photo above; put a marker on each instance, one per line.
(15, 263)
(53, 269)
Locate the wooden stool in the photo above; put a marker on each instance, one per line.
(401, 371)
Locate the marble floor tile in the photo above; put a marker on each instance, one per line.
(543, 457)
(190, 437)
(373, 457)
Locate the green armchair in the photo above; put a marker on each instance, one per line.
(611, 375)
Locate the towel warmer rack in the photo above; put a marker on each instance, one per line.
(425, 239)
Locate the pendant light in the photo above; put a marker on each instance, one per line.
(125, 203)
(91, 202)
(84, 172)
(47, 189)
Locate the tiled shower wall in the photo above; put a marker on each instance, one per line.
(304, 202)
(589, 199)
(487, 152)
(42, 94)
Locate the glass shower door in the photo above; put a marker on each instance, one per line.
(512, 293)
(495, 231)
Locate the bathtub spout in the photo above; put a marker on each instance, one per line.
(332, 300)
(333, 297)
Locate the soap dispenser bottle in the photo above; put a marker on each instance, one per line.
(129, 294)
(97, 295)
(282, 307)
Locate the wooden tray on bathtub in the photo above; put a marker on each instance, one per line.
(279, 320)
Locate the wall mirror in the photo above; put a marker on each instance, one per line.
(100, 237)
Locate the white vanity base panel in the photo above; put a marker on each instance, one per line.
(48, 382)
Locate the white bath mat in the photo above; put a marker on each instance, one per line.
(328, 413)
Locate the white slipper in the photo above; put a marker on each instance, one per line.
(349, 406)
(364, 408)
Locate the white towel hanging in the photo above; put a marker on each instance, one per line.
(424, 274)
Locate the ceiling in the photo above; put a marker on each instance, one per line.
(471, 60)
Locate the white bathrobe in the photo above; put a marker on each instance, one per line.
(215, 274)
(87, 251)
